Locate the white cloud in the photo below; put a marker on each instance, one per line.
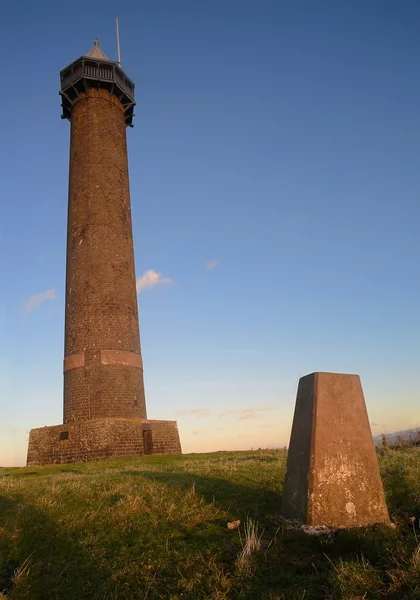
(210, 264)
(35, 301)
(150, 279)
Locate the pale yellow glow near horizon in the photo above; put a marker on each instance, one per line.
(210, 433)
(13, 448)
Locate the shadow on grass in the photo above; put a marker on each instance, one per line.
(296, 565)
(238, 500)
(38, 560)
(295, 561)
(24, 474)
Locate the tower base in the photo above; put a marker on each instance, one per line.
(84, 441)
(332, 476)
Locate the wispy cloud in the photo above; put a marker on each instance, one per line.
(8, 430)
(246, 413)
(195, 412)
(373, 424)
(150, 279)
(211, 264)
(35, 301)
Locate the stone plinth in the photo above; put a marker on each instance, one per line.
(332, 476)
(83, 441)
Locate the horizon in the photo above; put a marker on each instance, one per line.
(274, 187)
(375, 438)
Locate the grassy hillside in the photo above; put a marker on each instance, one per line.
(156, 527)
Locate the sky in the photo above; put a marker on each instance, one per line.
(275, 182)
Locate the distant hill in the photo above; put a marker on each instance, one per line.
(392, 437)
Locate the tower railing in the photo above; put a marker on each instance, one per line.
(98, 71)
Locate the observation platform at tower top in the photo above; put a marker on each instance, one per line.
(96, 70)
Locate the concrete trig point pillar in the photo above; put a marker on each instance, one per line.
(332, 476)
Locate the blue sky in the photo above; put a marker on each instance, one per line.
(275, 183)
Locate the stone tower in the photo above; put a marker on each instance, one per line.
(104, 400)
(103, 373)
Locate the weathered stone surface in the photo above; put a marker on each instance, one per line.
(101, 299)
(332, 474)
(83, 441)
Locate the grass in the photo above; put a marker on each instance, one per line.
(156, 528)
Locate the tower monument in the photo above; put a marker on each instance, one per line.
(104, 400)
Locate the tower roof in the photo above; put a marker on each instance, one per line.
(96, 70)
(96, 52)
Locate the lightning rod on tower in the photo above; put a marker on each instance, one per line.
(118, 43)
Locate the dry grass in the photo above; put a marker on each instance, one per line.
(156, 528)
(250, 542)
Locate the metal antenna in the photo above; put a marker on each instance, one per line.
(118, 44)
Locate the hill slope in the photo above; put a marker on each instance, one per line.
(156, 528)
(406, 434)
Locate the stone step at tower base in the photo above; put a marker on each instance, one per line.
(332, 476)
(83, 441)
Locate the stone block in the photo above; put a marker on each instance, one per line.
(83, 441)
(332, 476)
